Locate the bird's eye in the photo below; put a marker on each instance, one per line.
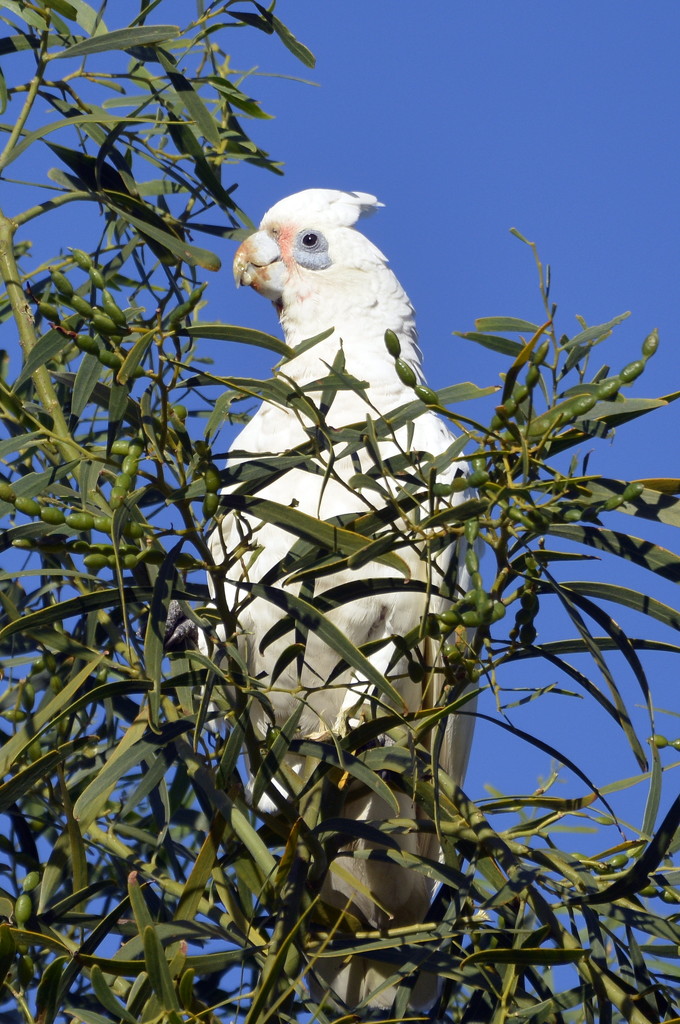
(310, 250)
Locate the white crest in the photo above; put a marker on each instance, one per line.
(322, 207)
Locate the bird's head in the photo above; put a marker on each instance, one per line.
(304, 242)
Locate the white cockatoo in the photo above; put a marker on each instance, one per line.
(322, 275)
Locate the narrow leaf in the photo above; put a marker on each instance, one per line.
(158, 970)
(245, 335)
(506, 323)
(121, 39)
(48, 346)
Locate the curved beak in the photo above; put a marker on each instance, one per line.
(257, 264)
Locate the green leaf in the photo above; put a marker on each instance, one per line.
(83, 385)
(135, 356)
(616, 413)
(87, 18)
(48, 346)
(189, 98)
(634, 549)
(503, 345)
(333, 538)
(625, 647)
(191, 254)
(62, 7)
(490, 324)
(628, 598)
(14, 44)
(157, 969)
(298, 49)
(129, 753)
(66, 122)
(595, 334)
(107, 998)
(526, 956)
(22, 783)
(650, 504)
(120, 39)
(245, 335)
(239, 822)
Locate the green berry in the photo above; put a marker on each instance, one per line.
(62, 283)
(608, 388)
(52, 516)
(118, 495)
(632, 371)
(540, 353)
(478, 478)
(633, 491)
(110, 359)
(440, 490)
(124, 482)
(471, 533)
(95, 561)
(650, 344)
(471, 560)
(104, 324)
(87, 344)
(451, 652)
(23, 908)
(498, 611)
(405, 372)
(83, 260)
(619, 860)
(80, 305)
(527, 634)
(211, 503)
(211, 476)
(416, 672)
(80, 521)
(29, 506)
(96, 277)
(426, 395)
(47, 310)
(392, 344)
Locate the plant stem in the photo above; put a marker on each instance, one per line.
(34, 85)
(49, 204)
(24, 321)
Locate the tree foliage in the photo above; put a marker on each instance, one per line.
(137, 884)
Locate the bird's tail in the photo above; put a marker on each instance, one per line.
(383, 894)
(380, 895)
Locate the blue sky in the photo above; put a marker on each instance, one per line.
(467, 119)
